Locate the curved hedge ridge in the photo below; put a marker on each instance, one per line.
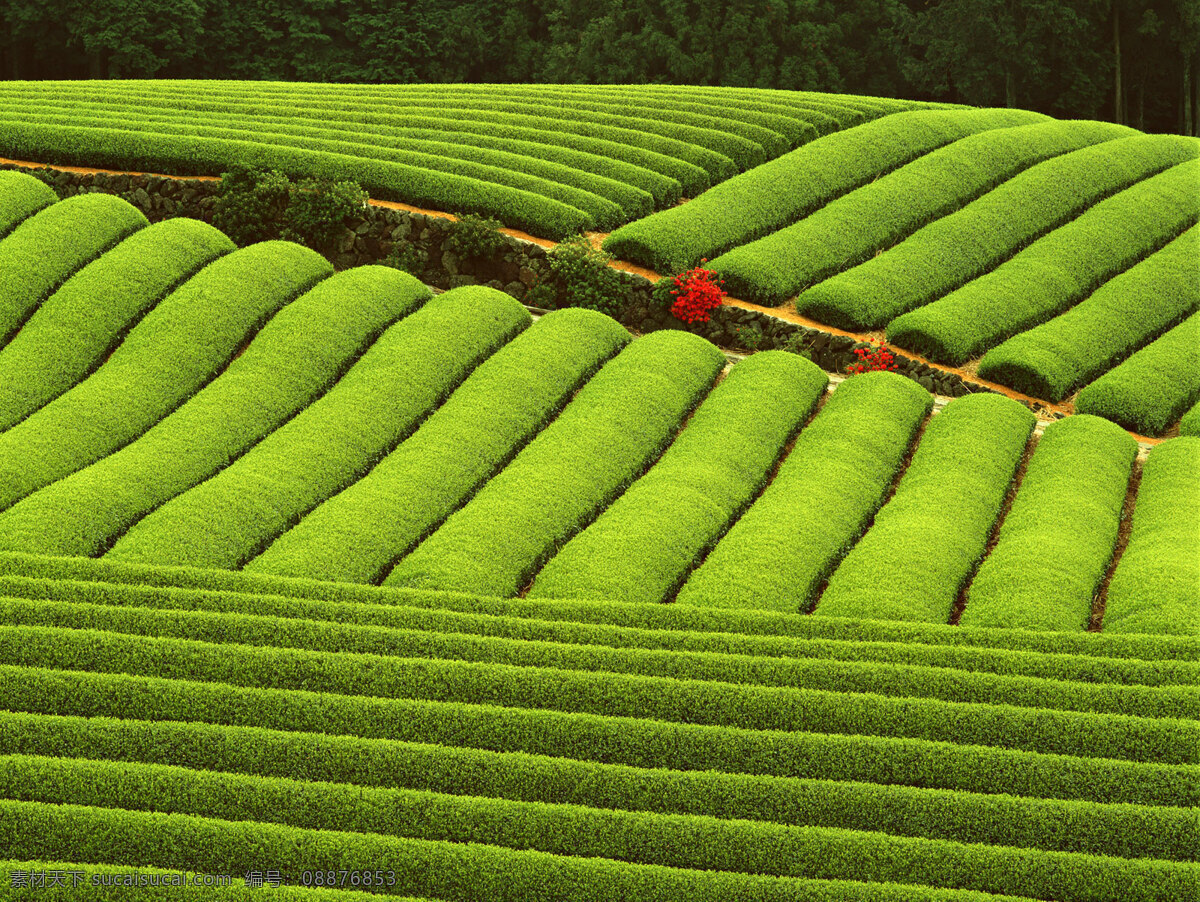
(831, 483)
(358, 534)
(1125, 313)
(49, 246)
(964, 245)
(1059, 536)
(853, 227)
(642, 547)
(72, 331)
(1156, 586)
(296, 356)
(1056, 271)
(778, 193)
(601, 443)
(927, 540)
(21, 196)
(170, 355)
(413, 367)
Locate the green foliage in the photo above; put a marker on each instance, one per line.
(358, 534)
(317, 211)
(1154, 387)
(1055, 272)
(75, 328)
(410, 370)
(1122, 315)
(251, 203)
(854, 227)
(822, 498)
(49, 246)
(1190, 424)
(778, 193)
(602, 442)
(21, 196)
(1059, 536)
(407, 258)
(292, 361)
(929, 537)
(475, 236)
(580, 277)
(988, 231)
(1156, 586)
(186, 340)
(695, 492)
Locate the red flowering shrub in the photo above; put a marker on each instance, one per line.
(697, 292)
(872, 359)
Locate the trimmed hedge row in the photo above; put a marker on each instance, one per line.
(406, 374)
(1190, 423)
(1127, 830)
(357, 535)
(674, 841)
(46, 248)
(363, 624)
(297, 356)
(670, 624)
(1156, 586)
(780, 192)
(1122, 315)
(601, 443)
(75, 328)
(186, 340)
(852, 228)
(640, 742)
(65, 144)
(1154, 387)
(1058, 538)
(1056, 271)
(927, 540)
(642, 547)
(825, 492)
(21, 196)
(414, 689)
(964, 245)
(891, 678)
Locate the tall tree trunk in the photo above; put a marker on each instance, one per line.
(1187, 97)
(1141, 108)
(1010, 89)
(95, 65)
(1118, 94)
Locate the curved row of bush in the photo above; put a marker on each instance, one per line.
(1156, 586)
(185, 341)
(49, 246)
(831, 483)
(642, 547)
(1055, 272)
(297, 356)
(778, 193)
(890, 678)
(1122, 315)
(852, 228)
(413, 689)
(75, 328)
(1127, 830)
(357, 535)
(1190, 423)
(21, 196)
(962, 246)
(385, 180)
(406, 374)
(929, 537)
(1057, 540)
(603, 440)
(1154, 387)
(366, 624)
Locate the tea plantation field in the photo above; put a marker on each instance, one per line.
(376, 591)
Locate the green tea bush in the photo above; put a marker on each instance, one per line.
(251, 204)
(21, 196)
(317, 210)
(475, 236)
(579, 277)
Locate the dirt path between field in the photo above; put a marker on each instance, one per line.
(785, 311)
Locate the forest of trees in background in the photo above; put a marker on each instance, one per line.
(1132, 61)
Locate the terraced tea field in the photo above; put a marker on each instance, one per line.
(371, 590)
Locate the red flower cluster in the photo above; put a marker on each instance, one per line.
(871, 360)
(697, 292)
